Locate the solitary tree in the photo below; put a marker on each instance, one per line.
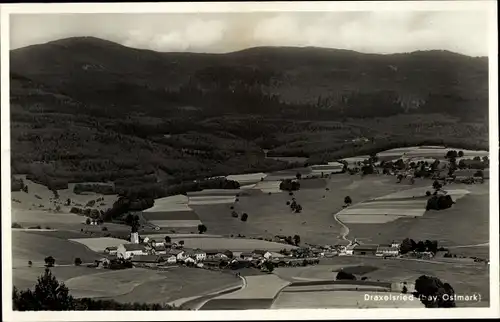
(78, 261)
(202, 228)
(30, 263)
(296, 239)
(433, 293)
(298, 176)
(49, 261)
(244, 217)
(347, 200)
(181, 242)
(269, 266)
(460, 154)
(87, 221)
(168, 239)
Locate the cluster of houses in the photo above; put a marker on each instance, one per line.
(153, 253)
(355, 249)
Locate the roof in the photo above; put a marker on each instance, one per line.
(112, 248)
(388, 248)
(260, 251)
(366, 247)
(134, 247)
(212, 251)
(198, 251)
(159, 248)
(145, 258)
(246, 254)
(174, 251)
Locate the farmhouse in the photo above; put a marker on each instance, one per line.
(127, 251)
(169, 259)
(261, 253)
(246, 256)
(387, 251)
(159, 249)
(146, 259)
(111, 250)
(365, 250)
(218, 254)
(196, 254)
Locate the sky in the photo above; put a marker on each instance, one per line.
(464, 32)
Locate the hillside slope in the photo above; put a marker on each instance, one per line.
(86, 109)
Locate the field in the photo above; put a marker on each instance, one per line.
(465, 223)
(28, 246)
(259, 293)
(29, 201)
(268, 215)
(26, 277)
(99, 244)
(464, 278)
(341, 299)
(404, 204)
(149, 286)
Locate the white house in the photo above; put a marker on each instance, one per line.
(113, 250)
(387, 251)
(170, 259)
(395, 245)
(246, 256)
(189, 260)
(126, 251)
(197, 254)
(261, 253)
(134, 238)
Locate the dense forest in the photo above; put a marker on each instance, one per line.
(85, 109)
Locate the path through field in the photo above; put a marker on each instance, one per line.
(345, 229)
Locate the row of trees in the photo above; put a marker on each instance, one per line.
(409, 245)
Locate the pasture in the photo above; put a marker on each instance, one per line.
(99, 244)
(268, 215)
(150, 286)
(321, 299)
(26, 277)
(46, 198)
(259, 293)
(464, 278)
(465, 223)
(28, 246)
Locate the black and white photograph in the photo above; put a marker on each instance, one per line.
(260, 156)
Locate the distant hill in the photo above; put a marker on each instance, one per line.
(87, 109)
(96, 71)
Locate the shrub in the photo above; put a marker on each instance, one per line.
(16, 225)
(104, 228)
(49, 261)
(78, 261)
(345, 276)
(244, 217)
(16, 184)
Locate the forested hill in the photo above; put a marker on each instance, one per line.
(311, 82)
(86, 109)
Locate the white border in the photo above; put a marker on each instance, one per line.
(9, 315)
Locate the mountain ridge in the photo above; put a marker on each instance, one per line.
(95, 110)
